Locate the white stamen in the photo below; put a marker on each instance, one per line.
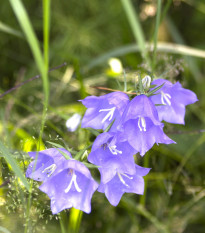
(73, 180)
(50, 169)
(165, 98)
(121, 179)
(109, 115)
(146, 81)
(129, 177)
(113, 150)
(142, 124)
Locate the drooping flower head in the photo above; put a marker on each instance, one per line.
(112, 156)
(140, 125)
(103, 110)
(174, 99)
(124, 183)
(68, 183)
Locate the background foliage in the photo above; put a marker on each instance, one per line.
(85, 34)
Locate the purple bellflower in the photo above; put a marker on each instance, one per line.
(124, 183)
(68, 183)
(174, 98)
(140, 125)
(112, 156)
(103, 110)
(46, 164)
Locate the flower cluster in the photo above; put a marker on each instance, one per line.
(130, 127)
(67, 182)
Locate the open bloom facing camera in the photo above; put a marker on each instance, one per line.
(68, 183)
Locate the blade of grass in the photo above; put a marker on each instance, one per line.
(7, 29)
(178, 39)
(146, 164)
(187, 156)
(166, 8)
(139, 209)
(27, 28)
(196, 4)
(161, 47)
(136, 28)
(4, 230)
(46, 29)
(12, 162)
(157, 23)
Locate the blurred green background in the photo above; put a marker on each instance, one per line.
(85, 34)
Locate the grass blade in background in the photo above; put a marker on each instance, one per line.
(46, 30)
(136, 28)
(27, 28)
(178, 39)
(157, 23)
(7, 29)
(12, 162)
(4, 230)
(166, 8)
(161, 47)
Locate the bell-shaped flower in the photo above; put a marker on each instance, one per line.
(101, 111)
(73, 186)
(112, 156)
(171, 100)
(45, 163)
(124, 183)
(140, 125)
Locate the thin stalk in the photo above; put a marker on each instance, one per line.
(29, 80)
(136, 28)
(74, 220)
(125, 81)
(143, 197)
(46, 27)
(166, 8)
(159, 4)
(63, 220)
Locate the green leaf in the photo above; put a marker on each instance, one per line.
(12, 162)
(66, 156)
(154, 90)
(81, 152)
(93, 131)
(89, 165)
(56, 145)
(109, 126)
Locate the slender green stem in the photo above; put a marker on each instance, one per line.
(63, 220)
(74, 220)
(136, 28)
(125, 81)
(143, 197)
(46, 26)
(166, 8)
(159, 4)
